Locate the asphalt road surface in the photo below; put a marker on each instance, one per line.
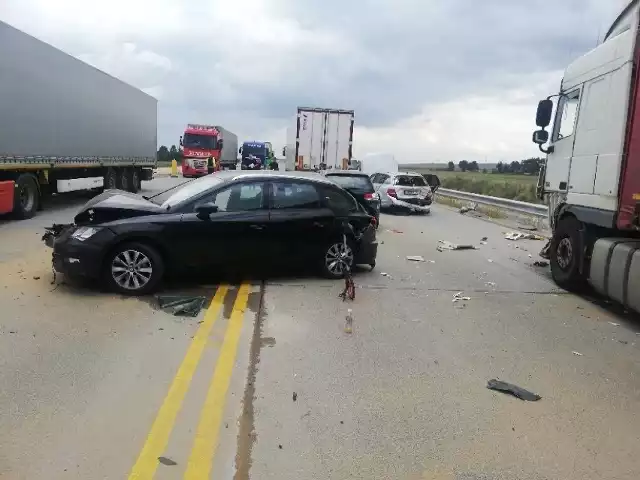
(266, 383)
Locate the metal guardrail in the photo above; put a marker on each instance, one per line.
(515, 206)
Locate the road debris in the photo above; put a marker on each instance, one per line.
(167, 461)
(295, 396)
(540, 263)
(577, 353)
(514, 390)
(348, 327)
(181, 305)
(614, 324)
(490, 284)
(415, 258)
(624, 342)
(445, 245)
(514, 236)
(468, 208)
(393, 230)
(36, 277)
(458, 297)
(484, 239)
(385, 274)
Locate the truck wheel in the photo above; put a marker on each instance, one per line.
(124, 179)
(566, 250)
(26, 198)
(134, 180)
(110, 181)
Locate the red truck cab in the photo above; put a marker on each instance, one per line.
(199, 143)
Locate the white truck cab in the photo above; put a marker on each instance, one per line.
(591, 179)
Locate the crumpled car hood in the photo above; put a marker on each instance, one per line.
(115, 205)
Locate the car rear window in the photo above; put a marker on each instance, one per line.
(356, 182)
(410, 181)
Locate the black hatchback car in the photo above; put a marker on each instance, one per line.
(227, 218)
(359, 185)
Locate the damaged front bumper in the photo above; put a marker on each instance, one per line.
(424, 208)
(71, 256)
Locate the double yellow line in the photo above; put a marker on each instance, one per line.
(206, 440)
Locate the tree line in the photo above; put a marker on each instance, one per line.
(529, 166)
(167, 154)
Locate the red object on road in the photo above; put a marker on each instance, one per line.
(7, 190)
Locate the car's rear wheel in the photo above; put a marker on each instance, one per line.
(133, 269)
(334, 258)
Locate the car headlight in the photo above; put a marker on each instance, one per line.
(84, 233)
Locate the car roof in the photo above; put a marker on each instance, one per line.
(350, 173)
(233, 175)
(396, 174)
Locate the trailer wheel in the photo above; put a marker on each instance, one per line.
(110, 179)
(134, 180)
(567, 246)
(124, 179)
(26, 198)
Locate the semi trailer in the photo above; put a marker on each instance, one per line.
(66, 126)
(591, 177)
(323, 139)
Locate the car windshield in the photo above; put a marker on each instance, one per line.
(184, 191)
(356, 182)
(193, 140)
(410, 181)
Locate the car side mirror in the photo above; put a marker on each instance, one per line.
(204, 210)
(543, 114)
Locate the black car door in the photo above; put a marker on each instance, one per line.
(235, 234)
(299, 223)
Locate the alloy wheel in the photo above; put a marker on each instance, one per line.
(337, 256)
(131, 269)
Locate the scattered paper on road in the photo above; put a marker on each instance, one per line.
(577, 353)
(415, 258)
(445, 245)
(522, 236)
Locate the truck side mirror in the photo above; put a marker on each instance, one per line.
(240, 150)
(220, 143)
(540, 137)
(543, 114)
(180, 140)
(284, 151)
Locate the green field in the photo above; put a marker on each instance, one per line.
(504, 185)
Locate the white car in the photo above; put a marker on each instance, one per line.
(403, 191)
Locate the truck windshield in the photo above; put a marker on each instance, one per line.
(258, 151)
(192, 140)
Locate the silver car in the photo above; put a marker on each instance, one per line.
(403, 191)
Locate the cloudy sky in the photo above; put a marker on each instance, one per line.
(429, 80)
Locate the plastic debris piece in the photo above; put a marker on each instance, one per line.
(167, 461)
(614, 324)
(522, 236)
(577, 353)
(415, 258)
(295, 396)
(181, 305)
(445, 245)
(484, 239)
(458, 297)
(540, 263)
(514, 390)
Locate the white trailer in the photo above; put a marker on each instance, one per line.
(324, 138)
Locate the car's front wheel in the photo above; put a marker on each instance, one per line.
(335, 257)
(133, 269)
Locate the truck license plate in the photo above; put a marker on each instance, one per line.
(411, 192)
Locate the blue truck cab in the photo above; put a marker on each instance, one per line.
(254, 155)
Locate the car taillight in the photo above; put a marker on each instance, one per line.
(369, 196)
(392, 192)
